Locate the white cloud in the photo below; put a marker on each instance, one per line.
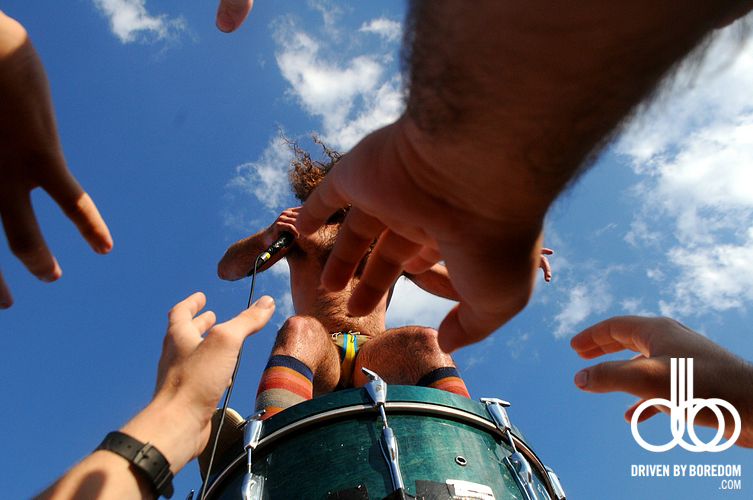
(583, 299)
(634, 306)
(386, 28)
(655, 274)
(130, 21)
(641, 235)
(267, 178)
(695, 151)
(712, 278)
(352, 94)
(517, 344)
(330, 11)
(412, 306)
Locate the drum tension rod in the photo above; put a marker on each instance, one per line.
(516, 462)
(377, 391)
(252, 484)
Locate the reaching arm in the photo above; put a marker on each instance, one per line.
(31, 156)
(240, 257)
(193, 374)
(507, 101)
(718, 372)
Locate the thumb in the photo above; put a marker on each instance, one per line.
(232, 13)
(256, 317)
(232, 333)
(462, 327)
(643, 377)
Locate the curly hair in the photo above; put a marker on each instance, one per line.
(305, 174)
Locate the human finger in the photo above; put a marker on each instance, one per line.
(75, 203)
(186, 309)
(462, 327)
(425, 259)
(612, 335)
(546, 268)
(204, 321)
(25, 238)
(84, 214)
(354, 238)
(384, 267)
(547, 251)
(6, 299)
(232, 13)
(232, 333)
(643, 377)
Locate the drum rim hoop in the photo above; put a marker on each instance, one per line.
(390, 407)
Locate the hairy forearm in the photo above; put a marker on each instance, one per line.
(104, 474)
(240, 257)
(537, 87)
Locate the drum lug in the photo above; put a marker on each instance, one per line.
(251, 488)
(516, 462)
(376, 388)
(521, 471)
(496, 409)
(559, 492)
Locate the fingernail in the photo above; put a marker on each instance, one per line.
(581, 379)
(49, 278)
(103, 248)
(225, 23)
(264, 302)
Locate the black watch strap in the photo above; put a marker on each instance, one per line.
(145, 458)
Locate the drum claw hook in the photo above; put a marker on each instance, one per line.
(376, 387)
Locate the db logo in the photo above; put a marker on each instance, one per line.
(678, 406)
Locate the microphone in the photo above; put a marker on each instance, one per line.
(285, 239)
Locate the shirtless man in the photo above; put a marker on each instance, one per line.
(323, 346)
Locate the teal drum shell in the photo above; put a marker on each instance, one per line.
(331, 444)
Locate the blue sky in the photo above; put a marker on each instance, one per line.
(173, 128)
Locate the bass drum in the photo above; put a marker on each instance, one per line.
(328, 448)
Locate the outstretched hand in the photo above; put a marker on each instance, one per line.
(197, 362)
(718, 372)
(193, 374)
(31, 156)
(410, 193)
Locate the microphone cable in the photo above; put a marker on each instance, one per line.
(284, 240)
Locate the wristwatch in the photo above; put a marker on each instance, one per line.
(145, 458)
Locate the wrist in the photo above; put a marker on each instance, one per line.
(170, 427)
(149, 467)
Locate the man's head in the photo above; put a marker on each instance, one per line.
(305, 174)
